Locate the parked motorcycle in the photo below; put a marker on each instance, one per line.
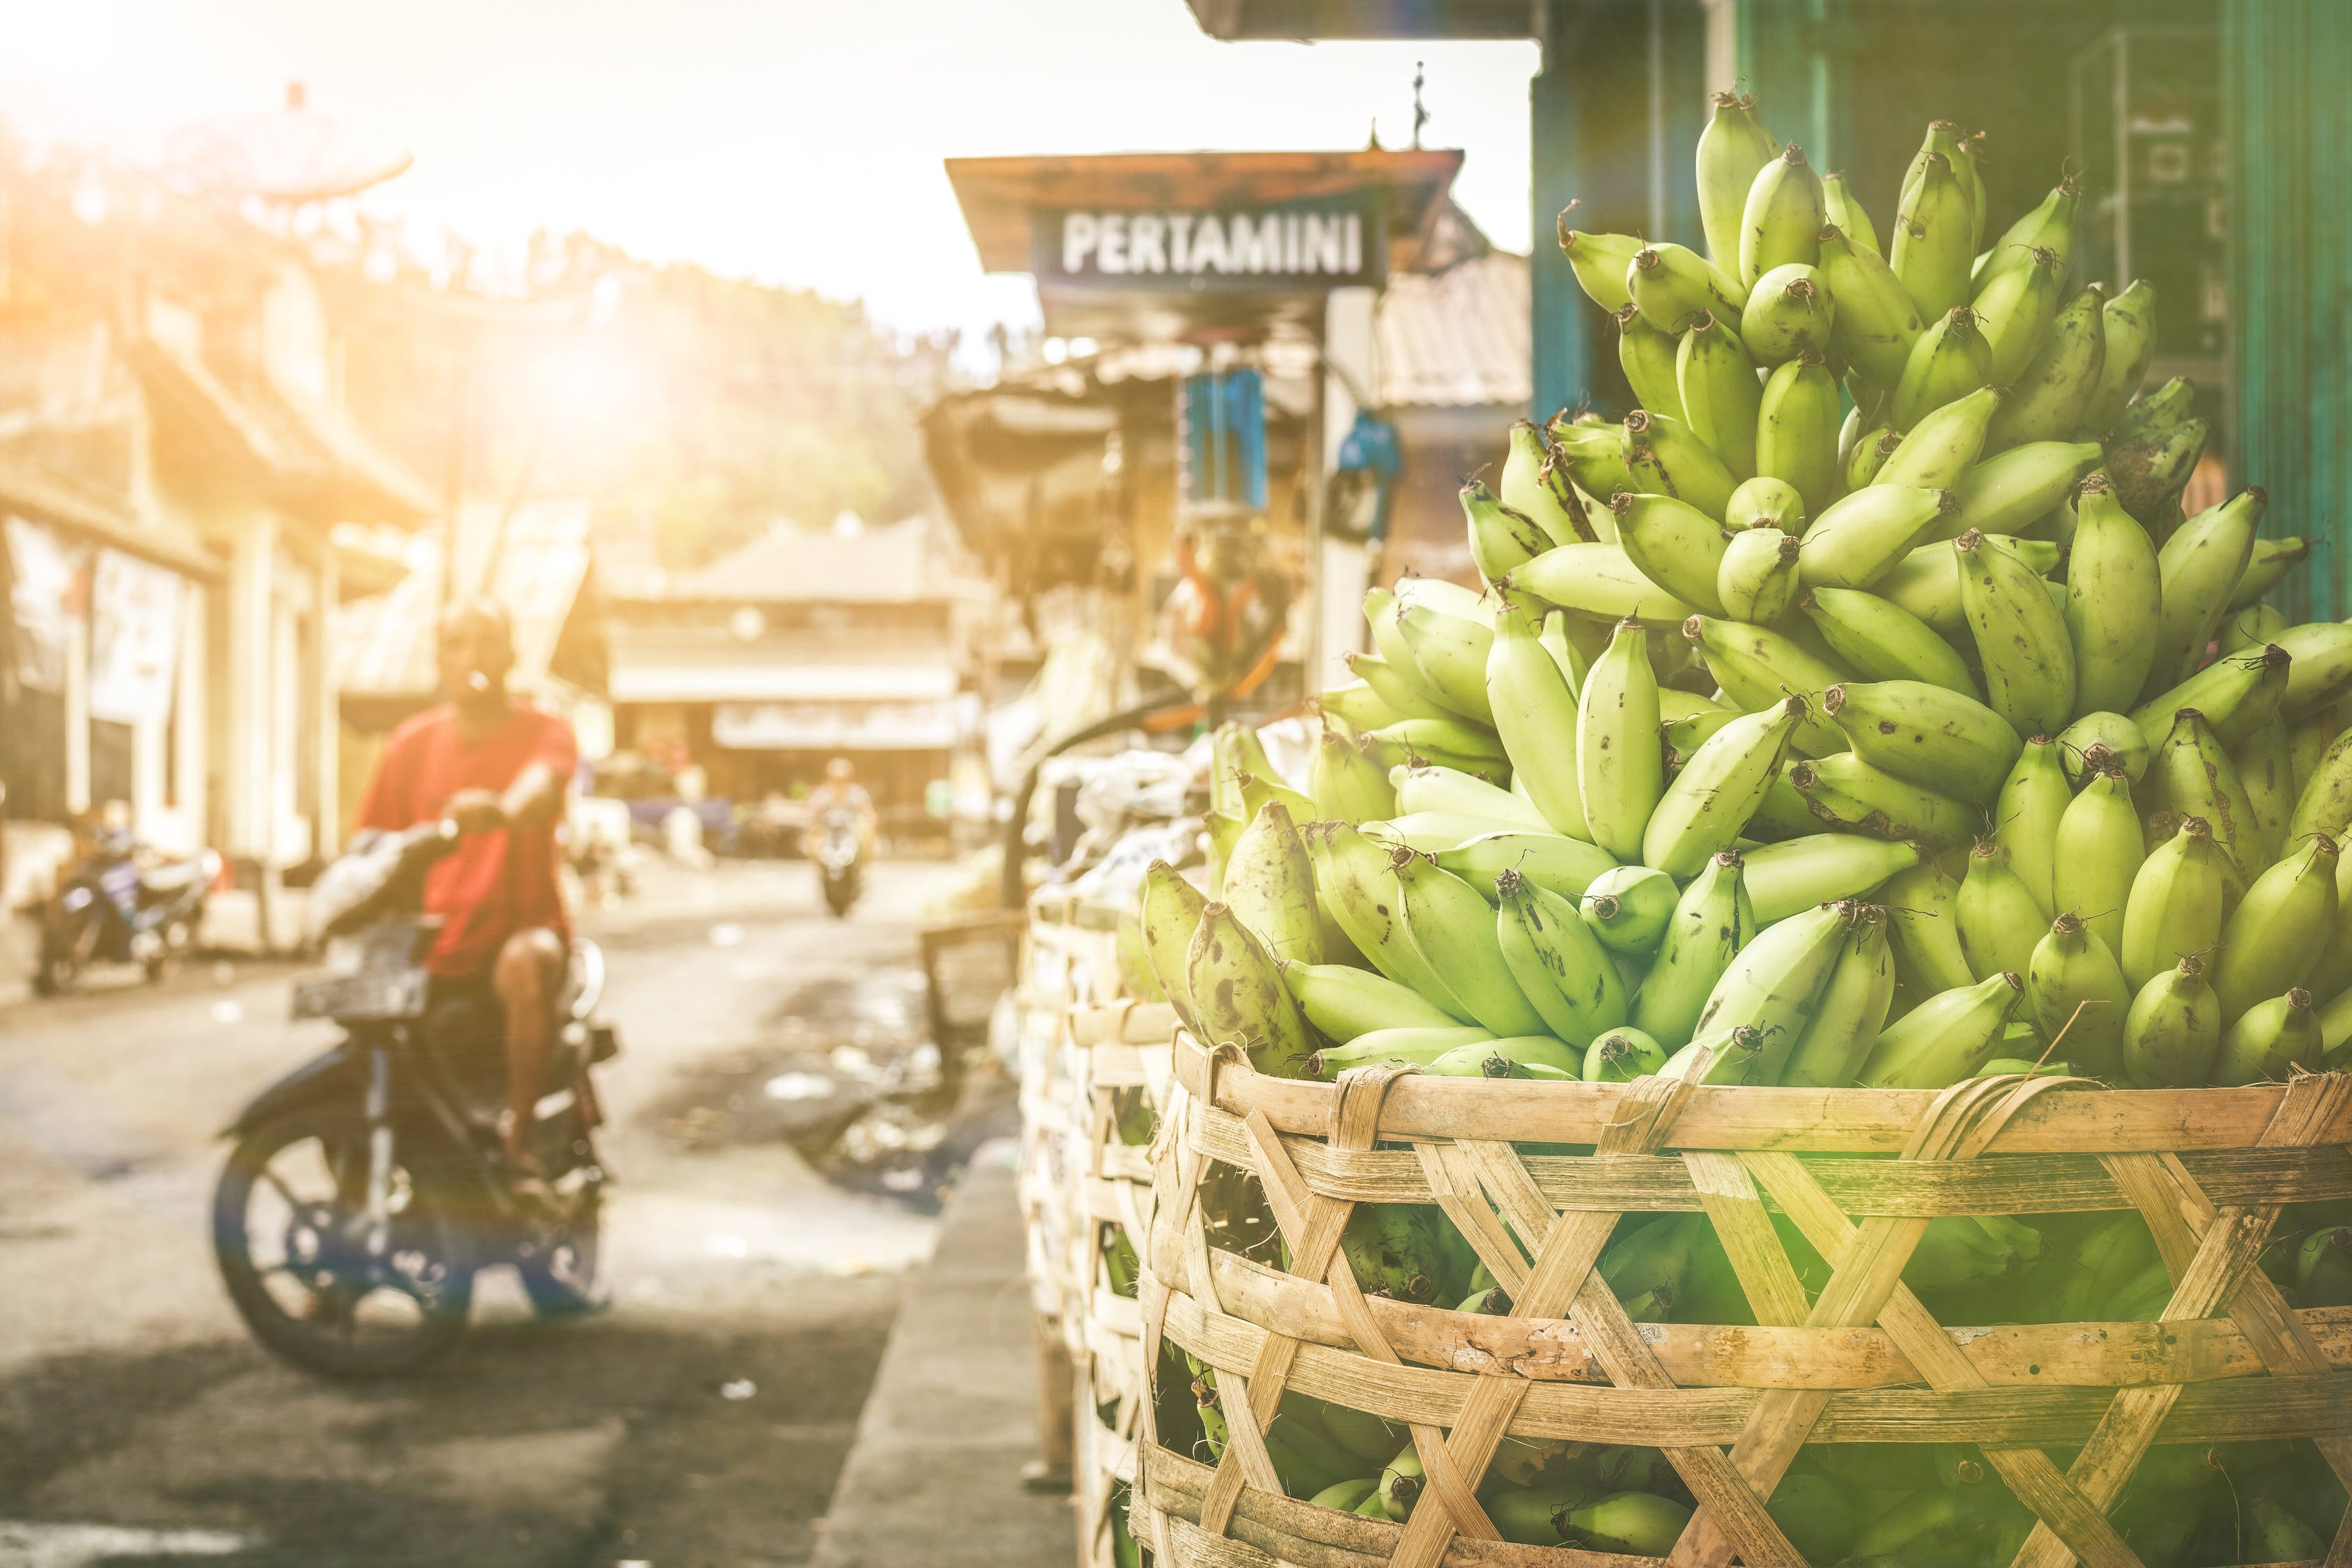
(840, 858)
(366, 1188)
(122, 903)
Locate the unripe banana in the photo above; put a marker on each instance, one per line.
(1796, 430)
(1170, 915)
(1999, 919)
(1708, 804)
(1269, 885)
(2015, 307)
(1884, 641)
(1234, 751)
(1876, 324)
(1351, 873)
(2272, 559)
(2025, 819)
(1720, 395)
(1395, 692)
(1345, 1002)
(1759, 667)
(2322, 668)
(2265, 767)
(1772, 982)
(1620, 772)
(1450, 925)
(1559, 964)
(1449, 651)
(1425, 789)
(1239, 995)
(1943, 445)
(1860, 538)
(1517, 1055)
(1418, 1045)
(1535, 714)
(1926, 582)
(1845, 792)
(1947, 140)
(2099, 851)
(1536, 484)
(2279, 930)
(2168, 404)
(1500, 537)
(1924, 930)
(2047, 399)
(2175, 903)
(1765, 501)
(1851, 1010)
(2270, 1039)
(2129, 324)
(1648, 357)
(2191, 775)
(1566, 866)
(1934, 737)
(1628, 908)
(1789, 311)
(2200, 566)
(2150, 470)
(1732, 150)
(2075, 987)
(1782, 218)
(1571, 644)
(2250, 627)
(1950, 360)
(1431, 831)
(1594, 459)
(1727, 1057)
(2173, 1032)
(2325, 803)
(2114, 607)
(2237, 694)
(1756, 581)
(2048, 227)
(1664, 456)
(1356, 705)
(1945, 1038)
(2020, 636)
(1599, 260)
(1641, 1524)
(2011, 491)
(1671, 283)
(1459, 743)
(1622, 1054)
(1711, 922)
(2101, 740)
(1676, 546)
(1845, 213)
(1346, 784)
(1599, 582)
(1934, 247)
(1786, 879)
(1223, 831)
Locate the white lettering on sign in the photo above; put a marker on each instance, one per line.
(1143, 252)
(1209, 246)
(1077, 240)
(1236, 244)
(1110, 254)
(1180, 229)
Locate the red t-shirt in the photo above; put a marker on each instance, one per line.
(495, 883)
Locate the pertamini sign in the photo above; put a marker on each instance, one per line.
(1299, 246)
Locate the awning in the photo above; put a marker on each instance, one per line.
(634, 682)
(924, 726)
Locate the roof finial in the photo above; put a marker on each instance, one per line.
(1420, 115)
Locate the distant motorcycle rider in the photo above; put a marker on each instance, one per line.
(497, 768)
(841, 788)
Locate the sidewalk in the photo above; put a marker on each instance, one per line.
(934, 1474)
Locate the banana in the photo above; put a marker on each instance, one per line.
(1594, 458)
(1640, 1524)
(1756, 581)
(1716, 382)
(1458, 743)
(1171, 914)
(1845, 212)
(1669, 284)
(1537, 486)
(2238, 694)
(2129, 325)
(1782, 221)
(2047, 399)
(1845, 792)
(1258, 790)
(1648, 356)
(1933, 246)
(1788, 312)
(1796, 429)
(1851, 1011)
(2322, 670)
(1621, 1056)
(2325, 803)
(1558, 962)
(1449, 651)
(2279, 930)
(1943, 445)
(1862, 537)
(1352, 872)
(1345, 1495)
(1711, 921)
(2048, 227)
(1709, 802)
(1400, 696)
(1452, 928)
(1535, 714)
(2033, 799)
(2199, 566)
(1600, 582)
(2175, 903)
(1759, 667)
(2099, 851)
(2011, 491)
(1876, 323)
(2168, 404)
(1500, 536)
(1788, 877)
(2075, 987)
(2102, 740)
(1947, 361)
(2272, 559)
(1933, 736)
(1620, 772)
(2191, 775)
(2173, 1032)
(1884, 641)
(1926, 582)
(1431, 831)
(2015, 308)
(2020, 636)
(2114, 600)
(1961, 148)
(1223, 830)
(1234, 750)
(1728, 1057)
(1520, 1057)
(1732, 150)
(1346, 1003)
(1566, 866)
(1356, 705)
(2265, 769)
(1628, 908)
(1924, 930)
(2270, 1039)
(1269, 885)
(1675, 544)
(1772, 982)
(1346, 783)
(1945, 1038)
(2280, 1536)
(1239, 995)
(1564, 637)
(1665, 456)
(2253, 626)
(1416, 1044)
(1998, 916)
(1599, 261)
(1958, 1250)
(2150, 471)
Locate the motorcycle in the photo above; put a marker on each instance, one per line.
(122, 903)
(840, 858)
(365, 1189)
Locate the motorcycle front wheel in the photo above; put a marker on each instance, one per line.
(289, 1233)
(67, 945)
(562, 1269)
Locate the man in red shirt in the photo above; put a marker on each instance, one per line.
(499, 769)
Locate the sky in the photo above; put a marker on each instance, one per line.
(798, 142)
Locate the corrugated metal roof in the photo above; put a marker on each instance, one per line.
(866, 563)
(1457, 337)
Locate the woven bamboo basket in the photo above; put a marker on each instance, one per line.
(1858, 1172)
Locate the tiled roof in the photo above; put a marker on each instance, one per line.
(1457, 337)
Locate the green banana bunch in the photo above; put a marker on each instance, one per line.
(1346, 785)
(1757, 580)
(1845, 792)
(1947, 361)
(2173, 1032)
(2273, 559)
(2010, 492)
(1665, 456)
(1620, 772)
(1884, 641)
(2073, 986)
(1559, 965)
(2129, 326)
(1796, 429)
(1669, 284)
(2175, 903)
(1790, 877)
(2047, 399)
(1566, 866)
(2279, 930)
(1945, 1038)
(2015, 307)
(1346, 1003)
(1789, 311)
(1924, 930)
(2237, 695)
(1536, 485)
(1676, 546)
(1239, 994)
(1708, 804)
(1772, 982)
(1600, 582)
(1876, 323)
(1783, 218)
(1943, 445)
(1932, 248)
(1535, 713)
(1500, 536)
(1269, 885)
(2115, 603)
(1418, 1045)
(1449, 924)
(1845, 212)
(1862, 536)
(2020, 636)
(1732, 150)
(1171, 915)
(2200, 566)
(2033, 799)
(2270, 1039)
(1449, 651)
(1628, 908)
(2191, 775)
(1997, 913)
(2097, 856)
(1352, 872)
(1928, 733)
(1716, 382)
(1851, 1010)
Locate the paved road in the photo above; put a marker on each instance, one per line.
(700, 1422)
